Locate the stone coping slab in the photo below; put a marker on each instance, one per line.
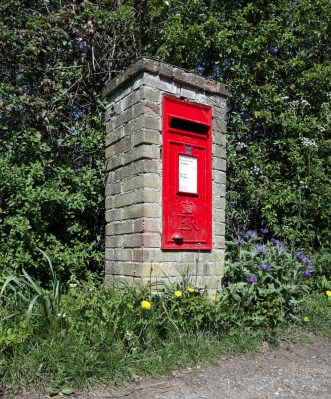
(178, 75)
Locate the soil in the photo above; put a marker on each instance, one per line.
(300, 370)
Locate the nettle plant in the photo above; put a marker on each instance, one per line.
(265, 278)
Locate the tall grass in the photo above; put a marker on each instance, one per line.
(82, 333)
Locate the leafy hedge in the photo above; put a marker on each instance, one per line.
(57, 56)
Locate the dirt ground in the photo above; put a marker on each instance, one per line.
(299, 370)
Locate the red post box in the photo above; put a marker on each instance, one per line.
(187, 175)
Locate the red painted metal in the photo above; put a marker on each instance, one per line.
(187, 175)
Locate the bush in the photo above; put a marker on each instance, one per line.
(265, 279)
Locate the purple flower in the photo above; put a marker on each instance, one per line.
(265, 267)
(307, 273)
(261, 250)
(299, 255)
(240, 240)
(309, 265)
(304, 258)
(250, 234)
(279, 244)
(251, 279)
(264, 231)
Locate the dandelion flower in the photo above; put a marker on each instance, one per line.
(215, 298)
(178, 294)
(306, 319)
(328, 293)
(190, 289)
(145, 305)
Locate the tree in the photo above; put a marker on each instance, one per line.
(56, 58)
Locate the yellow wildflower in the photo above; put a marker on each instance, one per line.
(190, 289)
(328, 293)
(178, 294)
(215, 298)
(145, 305)
(306, 319)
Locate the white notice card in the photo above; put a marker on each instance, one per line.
(188, 174)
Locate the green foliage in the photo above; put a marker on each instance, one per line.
(55, 60)
(275, 58)
(28, 294)
(265, 280)
(93, 332)
(316, 313)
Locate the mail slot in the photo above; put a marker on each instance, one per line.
(187, 175)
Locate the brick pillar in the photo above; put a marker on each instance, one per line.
(134, 177)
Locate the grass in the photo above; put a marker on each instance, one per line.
(60, 360)
(94, 334)
(316, 310)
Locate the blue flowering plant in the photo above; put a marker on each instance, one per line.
(265, 278)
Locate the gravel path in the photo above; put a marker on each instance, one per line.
(293, 371)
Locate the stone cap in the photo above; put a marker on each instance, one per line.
(169, 71)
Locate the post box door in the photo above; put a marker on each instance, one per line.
(187, 175)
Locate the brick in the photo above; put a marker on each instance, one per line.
(133, 212)
(146, 136)
(217, 257)
(131, 240)
(218, 189)
(109, 202)
(123, 118)
(219, 164)
(151, 240)
(219, 139)
(219, 151)
(152, 108)
(219, 242)
(113, 215)
(144, 151)
(120, 146)
(219, 228)
(151, 196)
(109, 112)
(152, 122)
(112, 189)
(152, 210)
(114, 268)
(109, 254)
(150, 166)
(154, 81)
(114, 241)
(219, 125)
(219, 177)
(123, 227)
(147, 225)
(157, 255)
(133, 183)
(109, 229)
(137, 255)
(115, 162)
(122, 173)
(217, 269)
(151, 94)
(153, 181)
(119, 281)
(132, 126)
(121, 254)
(129, 198)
